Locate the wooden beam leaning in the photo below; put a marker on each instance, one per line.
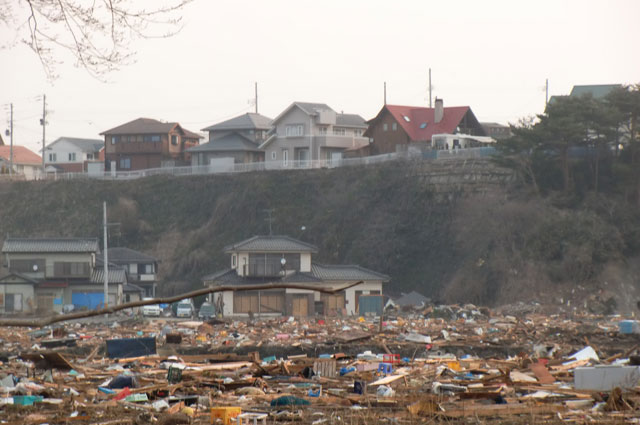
(44, 321)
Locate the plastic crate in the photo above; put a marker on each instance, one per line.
(227, 414)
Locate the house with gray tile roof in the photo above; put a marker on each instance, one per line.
(142, 269)
(281, 259)
(233, 145)
(307, 131)
(46, 274)
(237, 138)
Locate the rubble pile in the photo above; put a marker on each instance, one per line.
(440, 364)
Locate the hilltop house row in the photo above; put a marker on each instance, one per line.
(302, 132)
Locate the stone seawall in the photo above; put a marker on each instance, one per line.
(475, 175)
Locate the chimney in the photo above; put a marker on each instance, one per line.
(439, 111)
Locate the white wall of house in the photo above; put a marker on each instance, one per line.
(227, 300)
(305, 262)
(63, 152)
(30, 171)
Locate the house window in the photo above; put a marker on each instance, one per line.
(151, 138)
(52, 157)
(146, 268)
(322, 130)
(72, 156)
(406, 118)
(27, 266)
(357, 132)
(89, 156)
(423, 125)
(271, 265)
(285, 157)
(294, 130)
(394, 126)
(339, 131)
(274, 155)
(70, 269)
(234, 261)
(174, 139)
(125, 163)
(115, 139)
(385, 127)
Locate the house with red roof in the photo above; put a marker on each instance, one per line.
(397, 127)
(147, 143)
(25, 162)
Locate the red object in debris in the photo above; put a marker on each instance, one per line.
(428, 347)
(122, 394)
(321, 321)
(543, 361)
(391, 358)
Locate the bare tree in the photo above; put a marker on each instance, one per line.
(96, 33)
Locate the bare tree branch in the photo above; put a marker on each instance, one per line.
(96, 33)
(40, 322)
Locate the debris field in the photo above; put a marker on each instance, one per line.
(442, 364)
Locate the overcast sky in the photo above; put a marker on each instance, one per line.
(491, 55)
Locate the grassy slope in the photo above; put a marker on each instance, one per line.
(482, 248)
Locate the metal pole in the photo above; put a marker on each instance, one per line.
(44, 124)
(546, 97)
(11, 143)
(106, 258)
(429, 87)
(385, 92)
(256, 97)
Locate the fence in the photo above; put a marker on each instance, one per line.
(199, 170)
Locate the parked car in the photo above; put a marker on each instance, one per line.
(151, 309)
(185, 309)
(207, 311)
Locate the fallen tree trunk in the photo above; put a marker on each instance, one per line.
(44, 321)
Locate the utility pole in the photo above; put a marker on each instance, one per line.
(385, 92)
(44, 125)
(106, 256)
(256, 97)
(11, 142)
(269, 218)
(430, 105)
(546, 89)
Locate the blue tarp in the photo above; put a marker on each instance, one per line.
(90, 300)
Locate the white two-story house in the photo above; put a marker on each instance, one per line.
(71, 154)
(281, 259)
(306, 132)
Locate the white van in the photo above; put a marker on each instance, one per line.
(185, 309)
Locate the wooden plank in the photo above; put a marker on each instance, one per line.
(502, 410)
(387, 380)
